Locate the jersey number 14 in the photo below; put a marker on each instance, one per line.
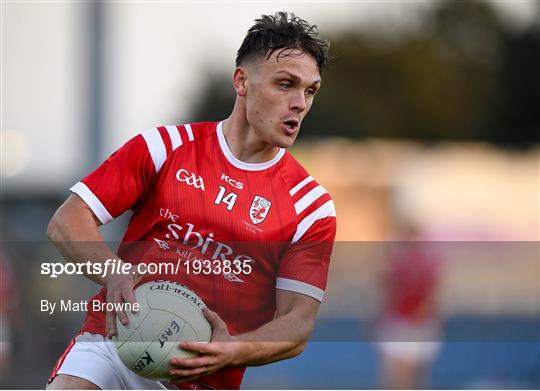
(228, 199)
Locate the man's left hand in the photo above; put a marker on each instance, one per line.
(219, 352)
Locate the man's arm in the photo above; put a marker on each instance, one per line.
(284, 337)
(74, 230)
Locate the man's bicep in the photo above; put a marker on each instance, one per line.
(76, 204)
(73, 221)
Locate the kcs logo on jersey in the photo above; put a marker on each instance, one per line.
(259, 209)
(232, 182)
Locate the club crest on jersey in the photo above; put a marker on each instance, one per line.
(259, 209)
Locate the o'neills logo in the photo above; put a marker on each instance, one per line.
(179, 289)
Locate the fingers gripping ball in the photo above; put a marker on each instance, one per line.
(169, 313)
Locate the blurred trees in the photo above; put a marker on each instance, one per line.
(462, 74)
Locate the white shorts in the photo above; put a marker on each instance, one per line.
(401, 338)
(420, 352)
(5, 336)
(94, 358)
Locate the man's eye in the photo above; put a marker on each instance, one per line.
(285, 86)
(310, 92)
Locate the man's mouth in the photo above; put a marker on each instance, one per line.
(291, 124)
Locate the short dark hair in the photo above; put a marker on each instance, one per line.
(283, 31)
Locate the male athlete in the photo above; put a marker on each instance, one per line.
(220, 191)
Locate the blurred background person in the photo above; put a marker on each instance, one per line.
(409, 330)
(8, 317)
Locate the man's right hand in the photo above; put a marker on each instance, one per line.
(119, 288)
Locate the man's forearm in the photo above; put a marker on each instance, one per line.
(282, 338)
(82, 252)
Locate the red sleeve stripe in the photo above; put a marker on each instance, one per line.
(174, 134)
(295, 189)
(156, 147)
(92, 201)
(62, 358)
(189, 132)
(326, 210)
(300, 287)
(309, 198)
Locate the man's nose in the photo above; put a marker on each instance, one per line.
(298, 101)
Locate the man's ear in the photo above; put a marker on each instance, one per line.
(240, 81)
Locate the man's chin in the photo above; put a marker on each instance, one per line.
(286, 141)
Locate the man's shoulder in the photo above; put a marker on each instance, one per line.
(297, 177)
(183, 134)
(313, 204)
(165, 139)
(162, 142)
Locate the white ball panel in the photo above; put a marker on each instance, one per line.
(169, 313)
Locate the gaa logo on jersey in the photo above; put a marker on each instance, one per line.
(190, 179)
(259, 209)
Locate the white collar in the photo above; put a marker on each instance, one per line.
(237, 162)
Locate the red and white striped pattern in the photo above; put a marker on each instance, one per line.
(311, 202)
(164, 140)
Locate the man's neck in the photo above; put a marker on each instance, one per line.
(244, 142)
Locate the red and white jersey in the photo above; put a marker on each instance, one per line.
(193, 199)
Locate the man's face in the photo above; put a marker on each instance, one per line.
(279, 94)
